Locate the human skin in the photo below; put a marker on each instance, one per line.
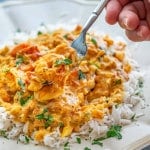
(132, 15)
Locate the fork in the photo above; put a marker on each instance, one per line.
(80, 43)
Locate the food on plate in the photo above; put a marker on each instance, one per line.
(51, 96)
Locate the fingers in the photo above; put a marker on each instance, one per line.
(113, 9)
(112, 12)
(128, 18)
(142, 33)
(131, 14)
(134, 19)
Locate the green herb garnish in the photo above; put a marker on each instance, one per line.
(39, 33)
(3, 134)
(66, 146)
(65, 61)
(78, 140)
(114, 131)
(24, 100)
(137, 93)
(118, 81)
(140, 83)
(66, 36)
(21, 84)
(97, 142)
(116, 106)
(41, 116)
(48, 119)
(133, 117)
(94, 41)
(19, 60)
(86, 148)
(81, 75)
(61, 124)
(27, 140)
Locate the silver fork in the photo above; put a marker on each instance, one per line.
(80, 43)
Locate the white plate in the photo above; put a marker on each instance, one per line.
(15, 15)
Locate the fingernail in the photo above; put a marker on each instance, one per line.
(125, 22)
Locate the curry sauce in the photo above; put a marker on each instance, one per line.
(46, 85)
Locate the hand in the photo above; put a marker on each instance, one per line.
(132, 15)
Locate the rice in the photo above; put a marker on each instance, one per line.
(121, 114)
(5, 120)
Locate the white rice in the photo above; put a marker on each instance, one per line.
(5, 120)
(121, 114)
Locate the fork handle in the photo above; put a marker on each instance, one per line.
(97, 11)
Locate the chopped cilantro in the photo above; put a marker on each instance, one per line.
(27, 140)
(81, 75)
(21, 84)
(96, 65)
(140, 83)
(133, 117)
(61, 124)
(66, 36)
(114, 131)
(78, 140)
(19, 60)
(24, 100)
(139, 89)
(97, 142)
(118, 81)
(94, 41)
(66, 146)
(45, 110)
(116, 106)
(48, 119)
(86, 148)
(137, 93)
(3, 134)
(39, 33)
(65, 61)
(40, 116)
